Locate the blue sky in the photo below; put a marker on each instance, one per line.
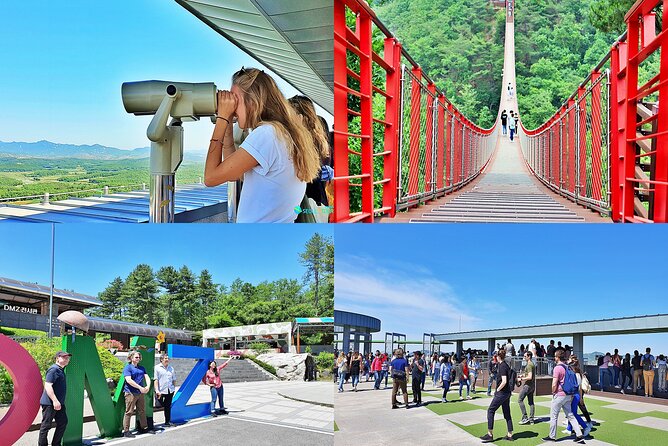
(421, 279)
(64, 63)
(89, 256)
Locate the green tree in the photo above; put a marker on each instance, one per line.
(140, 296)
(608, 15)
(313, 259)
(111, 299)
(168, 279)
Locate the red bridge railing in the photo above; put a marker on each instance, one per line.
(398, 141)
(607, 146)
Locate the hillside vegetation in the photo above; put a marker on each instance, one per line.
(459, 44)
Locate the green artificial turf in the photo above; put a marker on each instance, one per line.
(613, 428)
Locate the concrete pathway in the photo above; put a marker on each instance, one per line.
(259, 403)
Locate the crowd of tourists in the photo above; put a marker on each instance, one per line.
(507, 368)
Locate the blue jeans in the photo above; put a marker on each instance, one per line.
(341, 381)
(217, 393)
(355, 379)
(384, 375)
(378, 377)
(574, 409)
(492, 377)
(435, 375)
(512, 133)
(446, 387)
(616, 371)
(505, 128)
(461, 385)
(601, 376)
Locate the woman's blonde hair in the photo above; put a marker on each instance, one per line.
(265, 104)
(304, 106)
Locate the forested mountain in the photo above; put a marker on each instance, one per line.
(459, 43)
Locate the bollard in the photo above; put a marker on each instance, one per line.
(46, 198)
(106, 190)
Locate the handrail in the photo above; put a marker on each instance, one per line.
(635, 145)
(430, 148)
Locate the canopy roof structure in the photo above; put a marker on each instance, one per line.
(131, 328)
(309, 325)
(33, 293)
(292, 38)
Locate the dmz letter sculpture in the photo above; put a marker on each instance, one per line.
(85, 371)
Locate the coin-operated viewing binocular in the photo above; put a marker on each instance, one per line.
(183, 101)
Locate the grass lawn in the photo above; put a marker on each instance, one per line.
(612, 429)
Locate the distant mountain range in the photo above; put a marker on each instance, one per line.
(52, 150)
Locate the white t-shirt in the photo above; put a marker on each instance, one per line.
(271, 190)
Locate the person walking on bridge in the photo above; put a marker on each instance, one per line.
(511, 127)
(504, 389)
(504, 123)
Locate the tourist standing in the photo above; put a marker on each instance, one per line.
(616, 362)
(399, 371)
(53, 401)
(528, 389)
(637, 371)
(355, 369)
(463, 378)
(564, 386)
(435, 369)
(603, 370)
(376, 369)
(417, 369)
(385, 368)
(212, 379)
(136, 385)
(661, 366)
(493, 367)
(504, 389)
(504, 122)
(474, 369)
(165, 385)
(342, 367)
(626, 372)
(647, 363)
(446, 376)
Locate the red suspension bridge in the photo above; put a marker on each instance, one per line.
(601, 157)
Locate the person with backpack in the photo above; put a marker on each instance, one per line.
(564, 386)
(506, 381)
(399, 371)
(492, 368)
(528, 389)
(647, 363)
(446, 376)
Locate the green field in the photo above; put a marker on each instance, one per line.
(22, 177)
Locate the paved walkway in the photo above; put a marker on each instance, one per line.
(258, 403)
(365, 417)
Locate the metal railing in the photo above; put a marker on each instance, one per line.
(607, 146)
(415, 147)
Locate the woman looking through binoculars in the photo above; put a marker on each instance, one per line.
(275, 161)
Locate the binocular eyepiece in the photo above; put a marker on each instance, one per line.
(191, 100)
